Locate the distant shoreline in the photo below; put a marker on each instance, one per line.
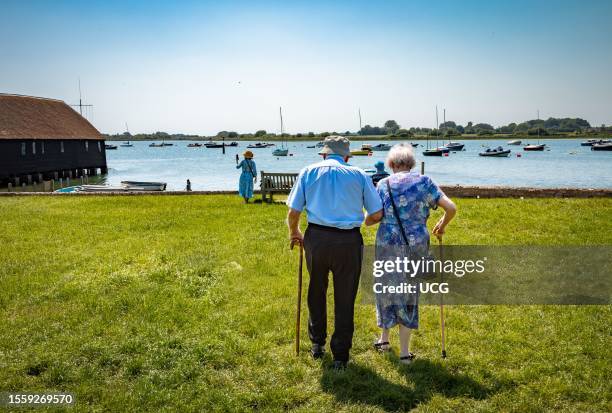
(368, 137)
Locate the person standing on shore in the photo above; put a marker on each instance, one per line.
(248, 177)
(333, 194)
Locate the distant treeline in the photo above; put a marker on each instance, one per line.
(550, 126)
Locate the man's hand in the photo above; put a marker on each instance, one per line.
(293, 223)
(296, 238)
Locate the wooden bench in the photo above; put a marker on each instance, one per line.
(276, 183)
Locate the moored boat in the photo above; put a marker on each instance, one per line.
(259, 145)
(592, 142)
(156, 145)
(496, 152)
(110, 147)
(454, 146)
(414, 145)
(515, 142)
(194, 145)
(433, 152)
(380, 147)
(280, 152)
(534, 147)
(602, 147)
(127, 144)
(364, 151)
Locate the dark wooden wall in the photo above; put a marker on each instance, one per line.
(75, 156)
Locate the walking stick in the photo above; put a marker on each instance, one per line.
(299, 303)
(442, 326)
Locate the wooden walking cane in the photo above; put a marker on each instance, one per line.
(299, 303)
(442, 326)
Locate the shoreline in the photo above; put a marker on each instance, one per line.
(455, 191)
(370, 137)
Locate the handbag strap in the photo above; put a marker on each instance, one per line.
(248, 163)
(397, 217)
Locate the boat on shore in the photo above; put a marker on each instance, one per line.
(607, 146)
(515, 142)
(498, 152)
(143, 186)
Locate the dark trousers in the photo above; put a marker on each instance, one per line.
(339, 251)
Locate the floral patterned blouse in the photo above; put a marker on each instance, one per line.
(414, 196)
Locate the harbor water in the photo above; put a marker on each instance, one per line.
(564, 164)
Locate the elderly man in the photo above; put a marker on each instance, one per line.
(333, 194)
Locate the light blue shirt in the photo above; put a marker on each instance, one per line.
(334, 194)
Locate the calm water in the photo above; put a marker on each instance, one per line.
(565, 164)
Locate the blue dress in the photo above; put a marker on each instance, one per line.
(414, 195)
(249, 171)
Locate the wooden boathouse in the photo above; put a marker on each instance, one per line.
(44, 139)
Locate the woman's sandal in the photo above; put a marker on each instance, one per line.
(382, 346)
(407, 359)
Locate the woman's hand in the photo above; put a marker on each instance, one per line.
(439, 230)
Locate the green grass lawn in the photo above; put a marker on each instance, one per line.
(187, 303)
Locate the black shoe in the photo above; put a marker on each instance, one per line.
(339, 365)
(317, 351)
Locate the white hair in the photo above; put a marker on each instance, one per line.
(401, 156)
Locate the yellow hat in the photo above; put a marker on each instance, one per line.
(248, 154)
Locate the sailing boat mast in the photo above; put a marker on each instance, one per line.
(437, 129)
(360, 121)
(538, 126)
(280, 111)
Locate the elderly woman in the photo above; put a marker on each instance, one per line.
(248, 176)
(407, 198)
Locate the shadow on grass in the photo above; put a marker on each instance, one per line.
(359, 384)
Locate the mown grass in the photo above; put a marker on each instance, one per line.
(187, 303)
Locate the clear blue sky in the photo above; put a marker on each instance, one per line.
(176, 66)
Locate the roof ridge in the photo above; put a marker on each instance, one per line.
(29, 96)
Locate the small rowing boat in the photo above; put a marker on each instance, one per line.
(143, 186)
